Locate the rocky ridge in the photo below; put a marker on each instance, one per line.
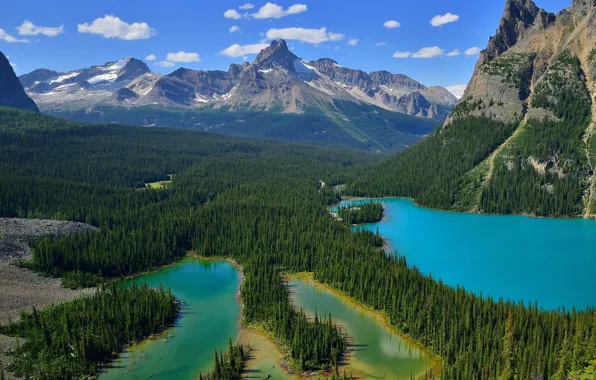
(277, 80)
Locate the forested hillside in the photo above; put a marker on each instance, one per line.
(262, 204)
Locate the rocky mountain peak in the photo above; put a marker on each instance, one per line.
(12, 93)
(519, 17)
(277, 53)
(132, 68)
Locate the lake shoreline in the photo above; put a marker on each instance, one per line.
(348, 198)
(382, 317)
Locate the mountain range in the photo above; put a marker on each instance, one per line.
(278, 96)
(276, 80)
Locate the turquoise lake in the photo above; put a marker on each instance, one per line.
(551, 261)
(209, 317)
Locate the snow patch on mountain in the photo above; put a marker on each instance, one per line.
(62, 78)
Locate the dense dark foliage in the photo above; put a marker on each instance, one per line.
(228, 365)
(369, 212)
(431, 171)
(261, 203)
(73, 339)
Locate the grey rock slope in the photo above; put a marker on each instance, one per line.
(11, 91)
(277, 81)
(523, 54)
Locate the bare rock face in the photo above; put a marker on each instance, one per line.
(520, 56)
(519, 18)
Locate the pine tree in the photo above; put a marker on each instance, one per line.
(508, 353)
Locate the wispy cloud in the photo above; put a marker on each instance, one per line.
(353, 41)
(428, 52)
(233, 14)
(391, 24)
(150, 57)
(401, 54)
(234, 28)
(472, 51)
(183, 56)
(311, 36)
(112, 27)
(246, 6)
(271, 10)
(8, 38)
(27, 28)
(457, 90)
(238, 50)
(439, 20)
(453, 53)
(165, 64)
(381, 43)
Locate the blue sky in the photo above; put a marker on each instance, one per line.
(397, 36)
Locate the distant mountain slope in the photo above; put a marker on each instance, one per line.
(11, 91)
(346, 124)
(521, 139)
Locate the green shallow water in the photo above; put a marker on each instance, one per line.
(377, 351)
(209, 317)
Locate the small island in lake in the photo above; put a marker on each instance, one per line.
(361, 213)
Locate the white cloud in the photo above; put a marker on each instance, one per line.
(453, 53)
(336, 47)
(246, 6)
(457, 90)
(401, 54)
(381, 43)
(165, 63)
(113, 27)
(233, 29)
(238, 50)
(391, 24)
(150, 57)
(353, 41)
(183, 56)
(311, 36)
(8, 38)
(439, 20)
(472, 51)
(428, 52)
(27, 28)
(271, 10)
(233, 14)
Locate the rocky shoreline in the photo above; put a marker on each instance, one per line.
(22, 289)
